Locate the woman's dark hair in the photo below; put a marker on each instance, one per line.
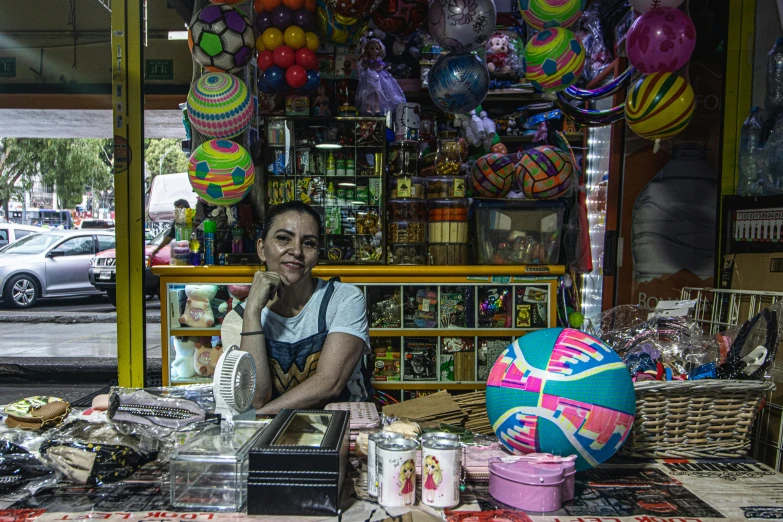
(282, 208)
(182, 203)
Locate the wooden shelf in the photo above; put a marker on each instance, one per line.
(428, 385)
(195, 332)
(450, 332)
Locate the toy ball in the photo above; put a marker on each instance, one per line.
(554, 59)
(458, 83)
(263, 22)
(313, 81)
(269, 5)
(460, 26)
(400, 17)
(303, 18)
(306, 58)
(293, 4)
(296, 76)
(294, 37)
(492, 176)
(659, 106)
(272, 38)
(642, 6)
(356, 8)
(275, 78)
(282, 17)
(221, 38)
(338, 29)
(563, 392)
(221, 172)
(499, 147)
(263, 85)
(219, 105)
(229, 2)
(312, 41)
(284, 57)
(265, 60)
(661, 40)
(545, 14)
(545, 172)
(260, 44)
(258, 6)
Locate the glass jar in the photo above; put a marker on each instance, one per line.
(406, 188)
(448, 161)
(403, 158)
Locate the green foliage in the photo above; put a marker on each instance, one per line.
(18, 165)
(174, 160)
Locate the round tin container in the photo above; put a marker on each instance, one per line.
(396, 468)
(440, 472)
(439, 435)
(372, 449)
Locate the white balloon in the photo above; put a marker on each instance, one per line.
(643, 6)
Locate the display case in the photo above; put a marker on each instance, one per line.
(430, 327)
(336, 165)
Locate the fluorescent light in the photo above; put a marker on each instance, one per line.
(346, 184)
(328, 145)
(178, 35)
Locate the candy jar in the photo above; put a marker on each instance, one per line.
(448, 161)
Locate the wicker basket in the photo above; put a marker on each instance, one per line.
(694, 419)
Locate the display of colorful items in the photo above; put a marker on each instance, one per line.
(554, 59)
(221, 38)
(563, 392)
(545, 14)
(221, 172)
(493, 175)
(545, 172)
(219, 105)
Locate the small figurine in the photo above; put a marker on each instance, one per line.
(498, 54)
(378, 92)
(321, 102)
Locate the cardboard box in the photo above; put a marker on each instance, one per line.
(758, 272)
(296, 105)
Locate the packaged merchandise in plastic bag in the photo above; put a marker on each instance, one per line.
(19, 467)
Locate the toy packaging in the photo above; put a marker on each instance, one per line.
(297, 105)
(386, 353)
(489, 349)
(456, 307)
(420, 307)
(494, 307)
(532, 304)
(420, 359)
(383, 303)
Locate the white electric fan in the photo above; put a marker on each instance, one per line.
(234, 385)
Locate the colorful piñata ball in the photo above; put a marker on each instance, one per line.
(219, 105)
(492, 176)
(563, 392)
(659, 106)
(221, 172)
(545, 172)
(554, 59)
(221, 38)
(545, 14)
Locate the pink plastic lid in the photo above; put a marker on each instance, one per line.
(525, 472)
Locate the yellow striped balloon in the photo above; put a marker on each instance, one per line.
(659, 106)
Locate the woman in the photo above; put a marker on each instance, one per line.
(307, 336)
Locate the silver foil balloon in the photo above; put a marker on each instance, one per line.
(458, 83)
(461, 26)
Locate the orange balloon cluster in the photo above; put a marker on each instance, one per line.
(268, 6)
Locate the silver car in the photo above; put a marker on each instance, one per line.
(53, 264)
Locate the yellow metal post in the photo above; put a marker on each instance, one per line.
(128, 124)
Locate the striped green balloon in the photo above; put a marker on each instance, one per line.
(544, 14)
(554, 59)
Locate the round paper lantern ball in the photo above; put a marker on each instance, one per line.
(659, 106)
(312, 41)
(219, 105)
(458, 83)
(306, 58)
(661, 40)
(284, 57)
(400, 17)
(492, 176)
(545, 172)
(554, 59)
(563, 392)
(355, 8)
(265, 60)
(221, 38)
(642, 6)
(221, 172)
(338, 29)
(545, 14)
(296, 76)
(272, 38)
(282, 17)
(460, 27)
(294, 37)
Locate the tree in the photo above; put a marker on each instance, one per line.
(19, 159)
(74, 166)
(170, 150)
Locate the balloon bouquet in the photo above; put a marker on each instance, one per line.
(286, 45)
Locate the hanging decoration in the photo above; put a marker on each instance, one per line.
(219, 105)
(458, 83)
(338, 29)
(554, 59)
(661, 40)
(221, 38)
(659, 106)
(613, 87)
(459, 26)
(590, 118)
(545, 14)
(221, 172)
(642, 6)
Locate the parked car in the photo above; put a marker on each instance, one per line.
(103, 269)
(52, 264)
(11, 232)
(96, 223)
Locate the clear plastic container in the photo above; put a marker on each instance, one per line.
(447, 231)
(404, 158)
(521, 235)
(407, 232)
(446, 254)
(407, 254)
(448, 209)
(210, 470)
(445, 187)
(407, 210)
(412, 188)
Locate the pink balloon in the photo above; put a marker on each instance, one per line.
(661, 40)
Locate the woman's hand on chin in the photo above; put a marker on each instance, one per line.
(266, 286)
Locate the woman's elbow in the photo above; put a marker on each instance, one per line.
(261, 399)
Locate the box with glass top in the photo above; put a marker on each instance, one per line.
(210, 470)
(298, 465)
(337, 166)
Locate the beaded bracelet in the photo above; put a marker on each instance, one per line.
(259, 332)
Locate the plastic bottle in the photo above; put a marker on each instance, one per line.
(330, 165)
(210, 228)
(750, 137)
(774, 98)
(195, 254)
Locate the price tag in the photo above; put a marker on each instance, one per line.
(425, 305)
(459, 188)
(404, 187)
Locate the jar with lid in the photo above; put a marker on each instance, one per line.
(403, 158)
(407, 209)
(448, 221)
(445, 187)
(448, 161)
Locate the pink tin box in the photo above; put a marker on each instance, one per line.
(537, 482)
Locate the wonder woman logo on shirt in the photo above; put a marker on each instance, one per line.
(284, 381)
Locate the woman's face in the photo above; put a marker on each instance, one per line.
(291, 246)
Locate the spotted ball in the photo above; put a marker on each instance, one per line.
(219, 105)
(492, 176)
(221, 172)
(545, 14)
(563, 392)
(554, 59)
(545, 172)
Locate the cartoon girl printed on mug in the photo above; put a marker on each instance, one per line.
(408, 482)
(432, 478)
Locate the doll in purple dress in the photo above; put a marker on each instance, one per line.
(378, 92)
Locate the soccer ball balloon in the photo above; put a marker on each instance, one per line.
(221, 172)
(221, 38)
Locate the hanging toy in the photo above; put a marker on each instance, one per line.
(378, 92)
